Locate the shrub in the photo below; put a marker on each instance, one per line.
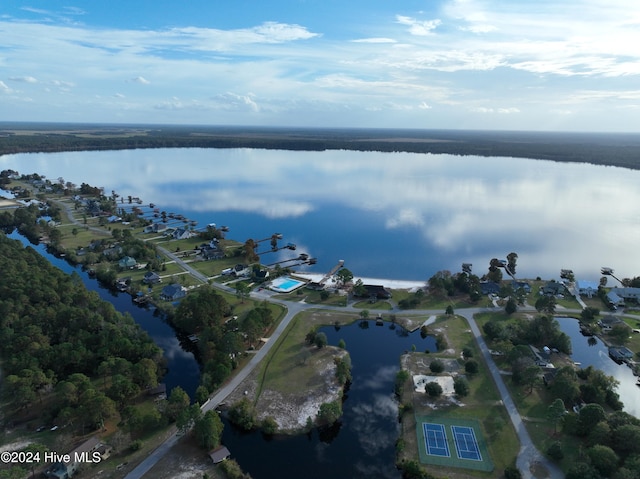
(471, 366)
(436, 366)
(433, 389)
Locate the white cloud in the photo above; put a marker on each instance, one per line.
(374, 40)
(417, 27)
(23, 79)
(4, 88)
(141, 80)
(501, 111)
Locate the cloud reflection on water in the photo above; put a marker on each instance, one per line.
(553, 214)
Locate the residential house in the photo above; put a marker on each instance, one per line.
(375, 291)
(127, 263)
(112, 252)
(587, 288)
(553, 288)
(489, 287)
(211, 253)
(182, 233)
(627, 293)
(173, 292)
(151, 277)
(614, 299)
(523, 285)
(241, 270)
(608, 322)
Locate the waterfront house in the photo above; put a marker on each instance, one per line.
(173, 292)
(620, 354)
(127, 262)
(523, 285)
(151, 277)
(553, 288)
(587, 288)
(608, 322)
(241, 270)
(614, 300)
(182, 233)
(219, 454)
(489, 287)
(375, 292)
(158, 391)
(627, 293)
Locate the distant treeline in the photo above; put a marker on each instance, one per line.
(597, 148)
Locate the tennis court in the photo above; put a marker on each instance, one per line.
(436, 440)
(466, 444)
(439, 436)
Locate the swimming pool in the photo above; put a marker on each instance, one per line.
(285, 284)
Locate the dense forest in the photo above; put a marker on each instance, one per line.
(63, 348)
(596, 148)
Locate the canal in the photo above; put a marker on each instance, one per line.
(182, 368)
(597, 355)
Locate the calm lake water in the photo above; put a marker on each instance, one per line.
(388, 215)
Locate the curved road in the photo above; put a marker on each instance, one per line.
(527, 457)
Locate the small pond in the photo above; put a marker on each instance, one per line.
(362, 445)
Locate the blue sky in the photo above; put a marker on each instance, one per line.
(463, 64)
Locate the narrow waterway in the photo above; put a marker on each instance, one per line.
(182, 368)
(597, 355)
(362, 444)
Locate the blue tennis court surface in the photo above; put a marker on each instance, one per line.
(436, 440)
(466, 443)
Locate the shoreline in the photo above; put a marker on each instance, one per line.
(386, 282)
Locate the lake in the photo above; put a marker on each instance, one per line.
(388, 215)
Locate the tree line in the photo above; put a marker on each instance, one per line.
(614, 150)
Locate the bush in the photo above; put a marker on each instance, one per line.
(467, 353)
(554, 451)
(461, 386)
(136, 445)
(512, 472)
(471, 366)
(330, 412)
(269, 426)
(242, 414)
(436, 366)
(433, 389)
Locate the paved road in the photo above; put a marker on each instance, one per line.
(292, 310)
(529, 454)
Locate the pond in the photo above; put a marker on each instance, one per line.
(362, 445)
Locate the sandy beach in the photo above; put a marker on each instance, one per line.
(387, 283)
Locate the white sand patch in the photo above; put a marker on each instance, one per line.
(420, 382)
(387, 283)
